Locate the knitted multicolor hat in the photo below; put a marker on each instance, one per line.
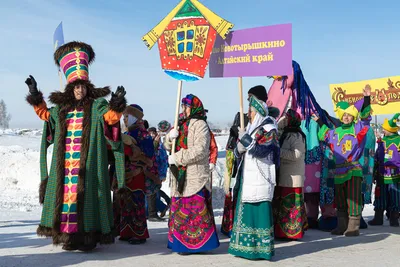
(258, 105)
(391, 125)
(135, 110)
(164, 126)
(74, 58)
(345, 107)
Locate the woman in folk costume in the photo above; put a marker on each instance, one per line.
(130, 219)
(191, 225)
(347, 144)
(260, 93)
(76, 195)
(289, 212)
(387, 174)
(258, 147)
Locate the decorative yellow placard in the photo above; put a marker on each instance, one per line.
(385, 95)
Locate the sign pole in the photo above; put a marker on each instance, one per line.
(241, 103)
(178, 101)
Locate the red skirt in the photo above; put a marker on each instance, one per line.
(289, 213)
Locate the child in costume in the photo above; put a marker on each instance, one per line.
(76, 194)
(347, 144)
(387, 174)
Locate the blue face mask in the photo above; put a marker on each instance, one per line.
(131, 120)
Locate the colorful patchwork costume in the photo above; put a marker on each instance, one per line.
(76, 194)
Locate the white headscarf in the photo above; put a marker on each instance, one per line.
(258, 118)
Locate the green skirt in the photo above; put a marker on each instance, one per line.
(253, 230)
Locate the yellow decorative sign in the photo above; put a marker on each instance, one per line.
(385, 94)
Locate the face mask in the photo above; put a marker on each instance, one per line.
(131, 120)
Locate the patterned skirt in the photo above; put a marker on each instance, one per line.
(229, 211)
(191, 224)
(253, 230)
(130, 214)
(289, 213)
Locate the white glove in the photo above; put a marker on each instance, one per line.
(173, 134)
(171, 160)
(240, 148)
(241, 133)
(212, 167)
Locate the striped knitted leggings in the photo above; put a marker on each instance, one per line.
(348, 196)
(387, 196)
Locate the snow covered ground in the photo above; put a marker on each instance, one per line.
(20, 214)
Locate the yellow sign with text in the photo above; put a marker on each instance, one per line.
(385, 94)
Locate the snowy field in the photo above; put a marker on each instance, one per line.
(20, 214)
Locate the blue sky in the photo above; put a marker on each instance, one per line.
(333, 41)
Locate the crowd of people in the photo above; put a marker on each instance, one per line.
(281, 168)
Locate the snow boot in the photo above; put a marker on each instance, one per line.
(343, 220)
(394, 218)
(363, 224)
(354, 226)
(378, 218)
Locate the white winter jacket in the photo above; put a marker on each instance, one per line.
(258, 165)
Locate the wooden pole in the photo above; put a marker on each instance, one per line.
(178, 102)
(241, 103)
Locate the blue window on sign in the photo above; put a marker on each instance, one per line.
(181, 47)
(190, 34)
(181, 36)
(189, 47)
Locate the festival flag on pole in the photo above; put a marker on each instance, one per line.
(58, 37)
(58, 40)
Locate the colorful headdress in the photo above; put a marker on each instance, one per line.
(197, 108)
(391, 125)
(164, 126)
(345, 107)
(74, 58)
(258, 105)
(135, 110)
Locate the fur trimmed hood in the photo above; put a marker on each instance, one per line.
(68, 98)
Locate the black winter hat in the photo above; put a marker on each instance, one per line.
(260, 92)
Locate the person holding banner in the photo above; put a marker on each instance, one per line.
(347, 143)
(191, 226)
(76, 194)
(387, 174)
(258, 148)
